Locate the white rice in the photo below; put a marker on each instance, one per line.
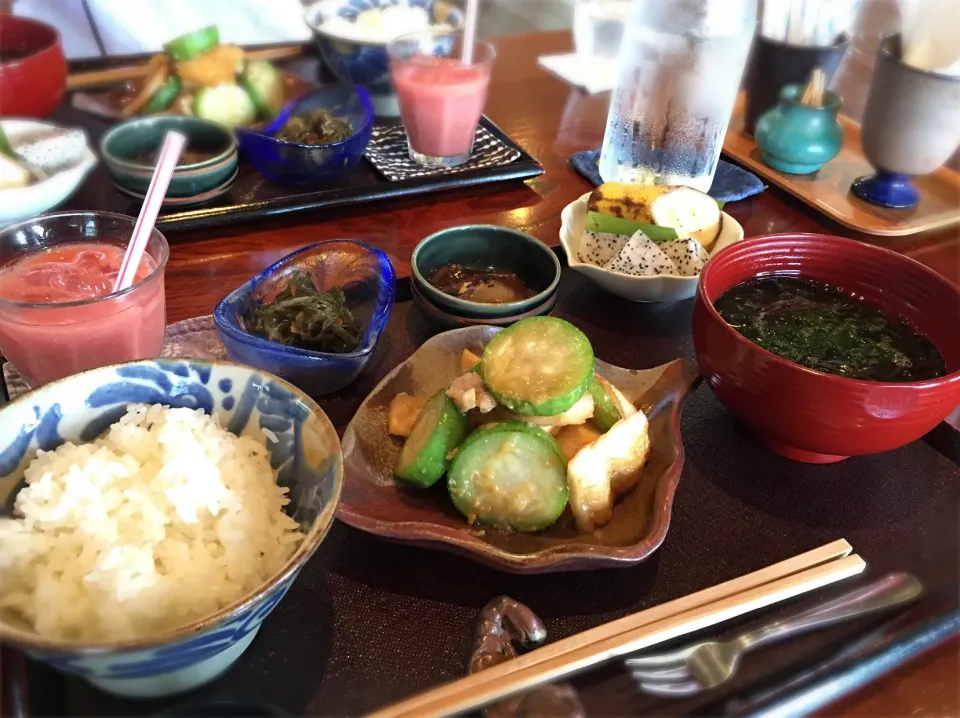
(165, 519)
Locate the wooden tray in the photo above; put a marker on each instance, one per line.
(829, 189)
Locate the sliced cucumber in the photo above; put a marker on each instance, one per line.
(509, 476)
(226, 103)
(597, 222)
(539, 366)
(193, 44)
(524, 428)
(264, 84)
(438, 430)
(605, 412)
(164, 97)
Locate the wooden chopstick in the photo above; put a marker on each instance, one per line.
(116, 75)
(779, 582)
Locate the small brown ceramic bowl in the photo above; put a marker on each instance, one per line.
(374, 501)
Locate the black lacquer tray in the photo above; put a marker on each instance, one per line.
(253, 196)
(370, 622)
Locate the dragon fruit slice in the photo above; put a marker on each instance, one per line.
(51, 151)
(688, 255)
(642, 257)
(600, 247)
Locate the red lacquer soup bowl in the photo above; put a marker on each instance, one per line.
(807, 415)
(33, 69)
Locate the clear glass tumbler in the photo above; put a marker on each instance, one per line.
(679, 73)
(441, 97)
(50, 340)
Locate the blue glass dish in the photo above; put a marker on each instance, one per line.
(367, 278)
(293, 163)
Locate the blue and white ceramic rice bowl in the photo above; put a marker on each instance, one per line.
(79, 408)
(365, 62)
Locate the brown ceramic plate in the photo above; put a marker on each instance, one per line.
(107, 104)
(374, 501)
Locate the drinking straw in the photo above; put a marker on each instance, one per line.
(173, 145)
(469, 31)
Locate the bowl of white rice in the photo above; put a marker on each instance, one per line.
(154, 514)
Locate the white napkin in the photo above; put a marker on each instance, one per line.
(593, 74)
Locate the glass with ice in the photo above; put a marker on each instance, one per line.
(679, 73)
(58, 312)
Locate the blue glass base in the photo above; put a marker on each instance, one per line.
(886, 189)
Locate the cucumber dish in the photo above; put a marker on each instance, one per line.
(526, 431)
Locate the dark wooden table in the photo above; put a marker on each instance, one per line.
(550, 120)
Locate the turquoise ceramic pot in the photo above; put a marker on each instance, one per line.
(797, 138)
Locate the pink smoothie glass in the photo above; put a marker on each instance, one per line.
(441, 97)
(48, 340)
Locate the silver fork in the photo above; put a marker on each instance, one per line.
(706, 665)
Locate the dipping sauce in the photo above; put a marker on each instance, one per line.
(479, 284)
(187, 157)
(59, 338)
(826, 329)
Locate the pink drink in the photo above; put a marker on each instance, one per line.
(59, 316)
(441, 101)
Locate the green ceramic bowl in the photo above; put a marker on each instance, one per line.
(127, 147)
(441, 321)
(487, 246)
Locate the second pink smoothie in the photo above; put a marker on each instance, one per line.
(441, 101)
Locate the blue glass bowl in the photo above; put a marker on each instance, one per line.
(370, 284)
(79, 408)
(293, 163)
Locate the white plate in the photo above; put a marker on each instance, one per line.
(25, 202)
(661, 288)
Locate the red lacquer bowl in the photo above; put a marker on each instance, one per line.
(33, 82)
(806, 415)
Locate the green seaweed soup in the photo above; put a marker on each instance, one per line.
(821, 327)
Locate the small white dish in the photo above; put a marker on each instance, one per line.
(25, 202)
(661, 288)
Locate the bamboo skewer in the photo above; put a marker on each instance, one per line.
(116, 75)
(779, 582)
(813, 93)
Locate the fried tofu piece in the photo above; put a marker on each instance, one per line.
(469, 392)
(219, 64)
(403, 412)
(579, 413)
(571, 439)
(468, 360)
(605, 469)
